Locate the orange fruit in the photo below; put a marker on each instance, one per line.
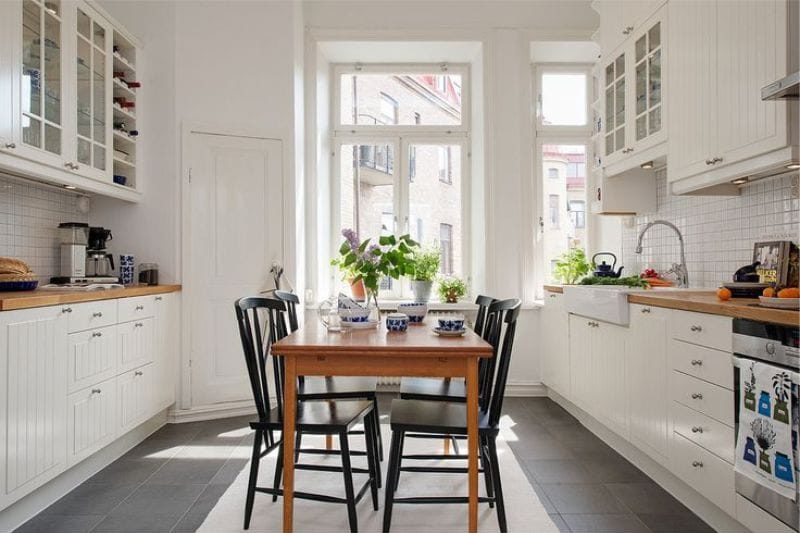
(792, 292)
(724, 294)
(769, 292)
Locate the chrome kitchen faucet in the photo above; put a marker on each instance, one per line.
(679, 270)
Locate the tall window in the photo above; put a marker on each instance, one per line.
(577, 213)
(554, 208)
(446, 246)
(394, 174)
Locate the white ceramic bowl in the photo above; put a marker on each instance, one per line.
(416, 311)
(354, 315)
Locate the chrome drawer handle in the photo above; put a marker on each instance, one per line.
(697, 362)
(66, 310)
(697, 396)
(697, 464)
(697, 429)
(10, 146)
(645, 310)
(96, 391)
(97, 334)
(137, 373)
(138, 325)
(159, 298)
(97, 314)
(139, 308)
(697, 328)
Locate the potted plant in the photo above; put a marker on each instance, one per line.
(451, 289)
(571, 266)
(426, 267)
(363, 262)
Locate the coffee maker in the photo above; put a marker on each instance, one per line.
(99, 263)
(84, 259)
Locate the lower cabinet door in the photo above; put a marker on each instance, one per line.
(91, 420)
(136, 343)
(135, 389)
(704, 472)
(92, 357)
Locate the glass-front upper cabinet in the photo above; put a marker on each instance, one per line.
(615, 105)
(39, 83)
(648, 82)
(92, 95)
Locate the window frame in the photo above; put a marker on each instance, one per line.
(561, 68)
(443, 225)
(385, 98)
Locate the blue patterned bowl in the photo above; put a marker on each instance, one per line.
(397, 322)
(416, 311)
(451, 323)
(354, 315)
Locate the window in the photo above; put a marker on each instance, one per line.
(445, 169)
(554, 214)
(446, 247)
(389, 109)
(562, 99)
(577, 213)
(552, 173)
(386, 179)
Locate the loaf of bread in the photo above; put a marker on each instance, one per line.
(9, 265)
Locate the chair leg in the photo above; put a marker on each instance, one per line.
(372, 459)
(455, 445)
(348, 482)
(328, 442)
(400, 444)
(390, 480)
(298, 441)
(378, 432)
(447, 446)
(487, 470)
(498, 487)
(276, 483)
(369, 425)
(251, 484)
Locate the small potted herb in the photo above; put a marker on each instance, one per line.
(571, 266)
(426, 267)
(451, 289)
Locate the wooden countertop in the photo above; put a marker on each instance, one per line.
(43, 298)
(706, 301)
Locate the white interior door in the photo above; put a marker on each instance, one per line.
(235, 231)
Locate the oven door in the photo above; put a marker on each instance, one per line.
(778, 506)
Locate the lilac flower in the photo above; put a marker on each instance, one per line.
(352, 238)
(371, 255)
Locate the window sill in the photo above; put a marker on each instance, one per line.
(391, 305)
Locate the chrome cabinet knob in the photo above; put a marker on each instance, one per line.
(697, 429)
(10, 146)
(645, 310)
(709, 161)
(716, 160)
(137, 373)
(96, 391)
(697, 362)
(97, 314)
(159, 298)
(138, 325)
(139, 308)
(97, 334)
(66, 310)
(697, 328)
(697, 396)
(697, 464)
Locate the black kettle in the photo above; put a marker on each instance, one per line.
(604, 270)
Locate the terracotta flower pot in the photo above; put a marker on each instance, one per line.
(358, 290)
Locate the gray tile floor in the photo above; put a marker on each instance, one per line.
(171, 481)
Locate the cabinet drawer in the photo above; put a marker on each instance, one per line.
(91, 315)
(704, 472)
(92, 357)
(136, 343)
(706, 330)
(91, 420)
(135, 390)
(712, 435)
(704, 397)
(135, 308)
(704, 363)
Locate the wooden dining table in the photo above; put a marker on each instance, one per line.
(314, 351)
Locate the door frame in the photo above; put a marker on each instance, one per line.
(184, 398)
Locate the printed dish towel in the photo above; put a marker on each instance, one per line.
(766, 449)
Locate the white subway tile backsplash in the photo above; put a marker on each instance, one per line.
(29, 217)
(719, 232)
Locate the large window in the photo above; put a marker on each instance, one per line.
(400, 144)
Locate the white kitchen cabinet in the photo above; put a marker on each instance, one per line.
(56, 94)
(33, 366)
(136, 343)
(647, 374)
(135, 390)
(580, 361)
(721, 54)
(165, 367)
(620, 18)
(91, 420)
(92, 357)
(555, 355)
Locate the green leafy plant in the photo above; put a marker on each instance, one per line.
(361, 260)
(426, 264)
(630, 281)
(451, 289)
(571, 266)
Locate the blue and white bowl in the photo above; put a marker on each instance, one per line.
(352, 316)
(451, 323)
(397, 322)
(416, 311)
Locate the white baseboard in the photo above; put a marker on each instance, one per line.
(29, 506)
(211, 412)
(525, 389)
(696, 502)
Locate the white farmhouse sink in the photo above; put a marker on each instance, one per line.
(602, 302)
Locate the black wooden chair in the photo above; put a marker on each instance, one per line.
(438, 419)
(261, 323)
(333, 388)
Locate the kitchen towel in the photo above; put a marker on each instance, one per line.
(766, 449)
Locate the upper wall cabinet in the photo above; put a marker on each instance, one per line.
(57, 95)
(721, 54)
(619, 19)
(634, 121)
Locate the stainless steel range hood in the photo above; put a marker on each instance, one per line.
(783, 89)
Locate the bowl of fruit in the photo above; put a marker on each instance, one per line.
(781, 298)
